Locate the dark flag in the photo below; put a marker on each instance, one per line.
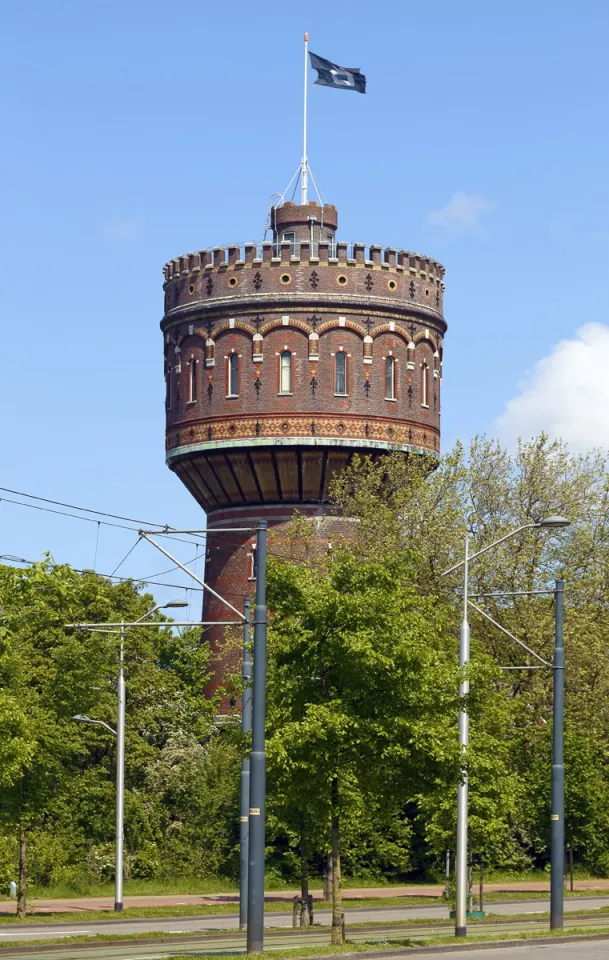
(343, 78)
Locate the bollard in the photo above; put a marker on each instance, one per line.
(344, 935)
(310, 909)
(296, 901)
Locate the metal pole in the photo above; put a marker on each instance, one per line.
(461, 877)
(557, 821)
(255, 892)
(120, 780)
(246, 726)
(305, 163)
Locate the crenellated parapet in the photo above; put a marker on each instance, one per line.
(285, 269)
(302, 251)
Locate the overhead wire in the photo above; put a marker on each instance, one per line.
(176, 566)
(71, 506)
(10, 558)
(74, 516)
(129, 552)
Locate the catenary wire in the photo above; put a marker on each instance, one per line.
(176, 566)
(129, 552)
(10, 558)
(71, 506)
(74, 516)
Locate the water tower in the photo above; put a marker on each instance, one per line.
(283, 359)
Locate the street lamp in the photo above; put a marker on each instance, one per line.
(119, 733)
(548, 523)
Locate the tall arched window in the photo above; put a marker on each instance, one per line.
(192, 380)
(233, 375)
(285, 372)
(340, 373)
(168, 386)
(389, 378)
(424, 385)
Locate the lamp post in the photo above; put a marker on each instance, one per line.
(119, 733)
(552, 522)
(255, 887)
(246, 726)
(557, 810)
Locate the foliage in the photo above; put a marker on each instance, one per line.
(487, 493)
(57, 779)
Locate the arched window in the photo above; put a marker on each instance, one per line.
(192, 380)
(285, 372)
(340, 373)
(292, 238)
(253, 563)
(424, 385)
(389, 378)
(233, 375)
(168, 386)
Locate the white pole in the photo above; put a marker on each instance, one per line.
(462, 789)
(305, 162)
(120, 780)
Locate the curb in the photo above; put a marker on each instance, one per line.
(363, 955)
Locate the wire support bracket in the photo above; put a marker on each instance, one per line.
(197, 579)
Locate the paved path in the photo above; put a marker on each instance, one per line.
(412, 890)
(228, 922)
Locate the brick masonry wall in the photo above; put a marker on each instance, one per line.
(229, 568)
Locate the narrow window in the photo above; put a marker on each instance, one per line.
(292, 238)
(340, 373)
(253, 563)
(192, 380)
(233, 375)
(168, 387)
(331, 245)
(424, 385)
(389, 378)
(285, 372)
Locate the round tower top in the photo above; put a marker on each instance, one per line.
(311, 221)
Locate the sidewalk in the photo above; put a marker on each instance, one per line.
(412, 890)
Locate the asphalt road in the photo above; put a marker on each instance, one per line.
(551, 951)
(230, 922)
(193, 925)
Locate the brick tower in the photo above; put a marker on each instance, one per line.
(282, 360)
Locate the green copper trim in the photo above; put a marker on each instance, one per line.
(338, 442)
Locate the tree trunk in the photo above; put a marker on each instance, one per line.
(328, 879)
(305, 920)
(337, 900)
(22, 885)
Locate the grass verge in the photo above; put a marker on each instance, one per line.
(318, 951)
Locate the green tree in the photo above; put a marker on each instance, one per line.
(58, 778)
(488, 492)
(362, 697)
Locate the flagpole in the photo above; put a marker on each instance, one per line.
(305, 162)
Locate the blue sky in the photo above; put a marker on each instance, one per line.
(135, 131)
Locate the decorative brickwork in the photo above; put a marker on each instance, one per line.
(260, 412)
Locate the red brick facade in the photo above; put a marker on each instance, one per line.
(274, 443)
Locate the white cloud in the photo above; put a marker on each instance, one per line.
(123, 227)
(462, 212)
(566, 394)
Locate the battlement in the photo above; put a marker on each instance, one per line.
(286, 252)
